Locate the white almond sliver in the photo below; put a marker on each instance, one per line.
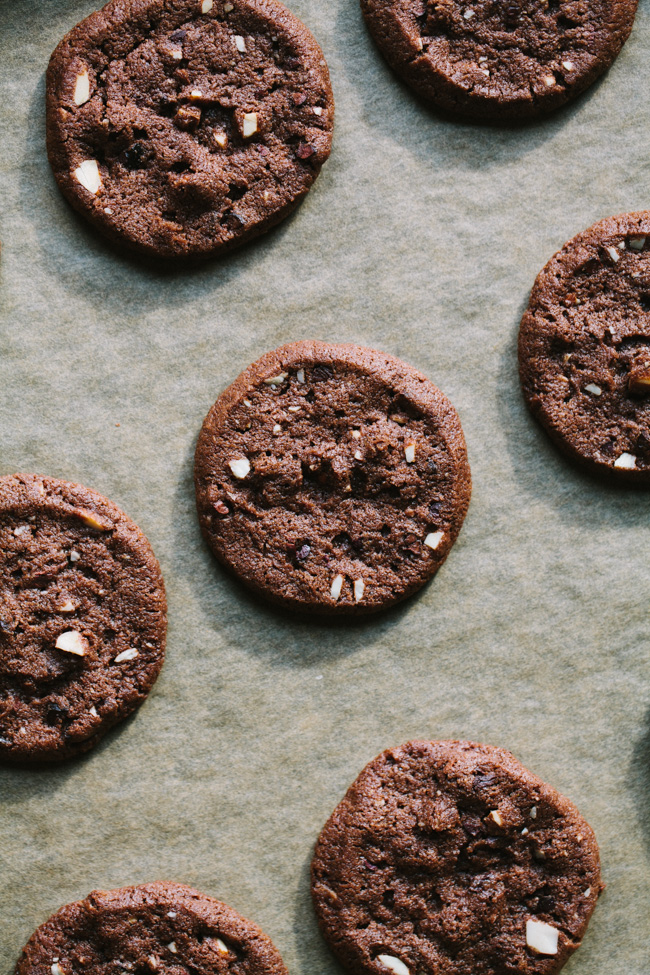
(129, 654)
(409, 453)
(221, 946)
(626, 461)
(56, 969)
(82, 88)
(300, 375)
(393, 964)
(72, 642)
(206, 6)
(337, 585)
(433, 539)
(541, 937)
(281, 376)
(359, 586)
(240, 43)
(240, 467)
(613, 253)
(592, 388)
(88, 175)
(249, 127)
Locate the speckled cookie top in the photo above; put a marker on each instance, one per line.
(155, 928)
(452, 857)
(82, 618)
(488, 59)
(332, 478)
(584, 348)
(183, 127)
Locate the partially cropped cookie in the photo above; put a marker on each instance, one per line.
(499, 61)
(452, 857)
(332, 478)
(82, 618)
(584, 348)
(158, 927)
(181, 128)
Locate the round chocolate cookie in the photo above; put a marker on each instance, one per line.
(452, 857)
(584, 348)
(332, 478)
(489, 60)
(158, 927)
(82, 618)
(184, 127)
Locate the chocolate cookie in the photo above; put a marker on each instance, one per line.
(492, 60)
(82, 618)
(584, 348)
(184, 127)
(452, 857)
(332, 478)
(158, 927)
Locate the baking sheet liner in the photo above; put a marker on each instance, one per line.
(422, 237)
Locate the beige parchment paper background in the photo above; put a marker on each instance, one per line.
(421, 237)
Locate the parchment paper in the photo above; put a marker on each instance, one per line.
(421, 237)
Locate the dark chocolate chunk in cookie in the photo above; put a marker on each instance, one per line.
(332, 478)
(82, 618)
(584, 348)
(158, 927)
(494, 60)
(452, 857)
(184, 127)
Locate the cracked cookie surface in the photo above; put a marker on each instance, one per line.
(181, 128)
(82, 618)
(584, 348)
(493, 60)
(332, 478)
(452, 857)
(161, 926)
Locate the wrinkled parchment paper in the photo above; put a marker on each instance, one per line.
(421, 237)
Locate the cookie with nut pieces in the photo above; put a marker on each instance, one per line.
(182, 128)
(82, 618)
(332, 478)
(584, 349)
(161, 926)
(499, 61)
(452, 857)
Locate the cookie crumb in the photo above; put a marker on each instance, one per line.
(541, 937)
